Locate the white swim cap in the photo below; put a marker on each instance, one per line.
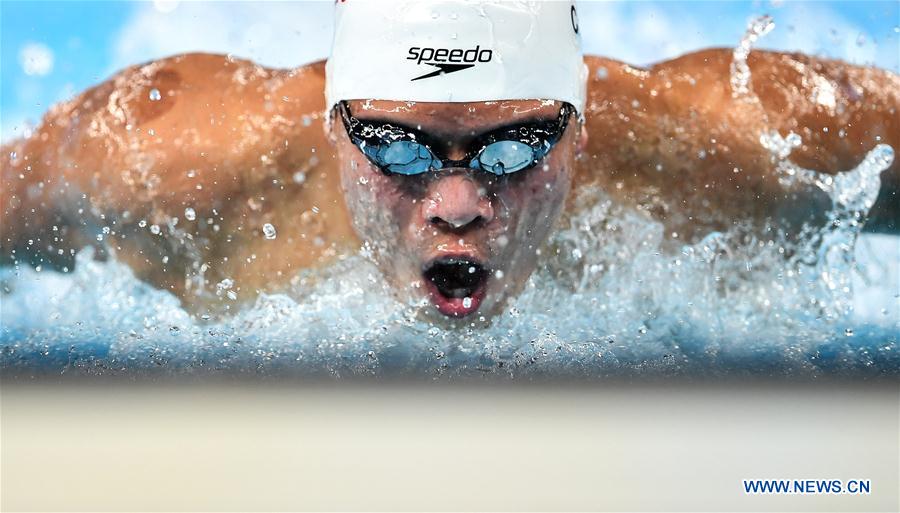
(456, 51)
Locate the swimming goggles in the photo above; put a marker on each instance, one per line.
(396, 149)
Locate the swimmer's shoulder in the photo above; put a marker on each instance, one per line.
(180, 91)
(192, 114)
(605, 73)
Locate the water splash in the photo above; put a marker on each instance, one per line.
(740, 71)
(852, 192)
(827, 251)
(607, 301)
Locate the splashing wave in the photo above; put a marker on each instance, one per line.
(609, 300)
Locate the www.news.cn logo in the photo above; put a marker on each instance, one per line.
(807, 486)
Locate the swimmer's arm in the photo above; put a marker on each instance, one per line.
(90, 160)
(19, 212)
(678, 125)
(35, 226)
(841, 111)
(239, 144)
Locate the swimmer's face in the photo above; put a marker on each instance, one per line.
(464, 239)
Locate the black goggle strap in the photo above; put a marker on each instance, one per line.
(540, 136)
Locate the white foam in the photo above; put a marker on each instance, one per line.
(624, 306)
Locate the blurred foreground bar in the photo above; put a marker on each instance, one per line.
(245, 447)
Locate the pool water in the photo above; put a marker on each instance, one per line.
(606, 302)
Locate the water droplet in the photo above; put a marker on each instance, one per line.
(189, 214)
(269, 231)
(602, 73)
(155, 95)
(740, 71)
(154, 229)
(299, 177)
(363, 180)
(467, 302)
(848, 332)
(142, 223)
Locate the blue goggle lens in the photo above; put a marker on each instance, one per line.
(403, 157)
(504, 157)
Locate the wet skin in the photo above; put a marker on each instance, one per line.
(243, 145)
(495, 223)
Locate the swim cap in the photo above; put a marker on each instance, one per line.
(456, 51)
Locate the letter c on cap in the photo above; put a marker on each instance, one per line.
(574, 15)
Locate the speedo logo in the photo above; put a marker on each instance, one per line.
(448, 60)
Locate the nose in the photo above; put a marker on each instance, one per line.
(457, 201)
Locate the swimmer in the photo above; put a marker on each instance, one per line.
(443, 138)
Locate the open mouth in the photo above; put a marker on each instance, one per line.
(456, 285)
